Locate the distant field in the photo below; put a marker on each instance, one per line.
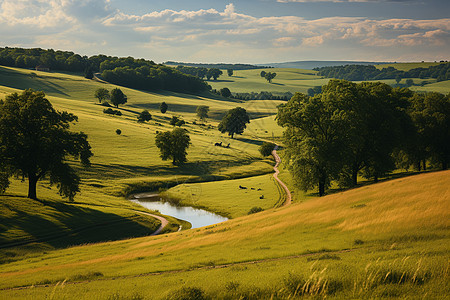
(287, 80)
(408, 66)
(440, 87)
(384, 240)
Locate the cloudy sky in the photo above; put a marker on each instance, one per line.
(246, 31)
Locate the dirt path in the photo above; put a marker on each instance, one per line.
(288, 200)
(164, 221)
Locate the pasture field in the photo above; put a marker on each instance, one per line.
(442, 87)
(384, 240)
(406, 66)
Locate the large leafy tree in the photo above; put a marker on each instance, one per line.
(431, 116)
(101, 94)
(315, 139)
(163, 107)
(173, 145)
(118, 97)
(202, 112)
(36, 142)
(234, 122)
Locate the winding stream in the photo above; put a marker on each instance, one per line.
(197, 217)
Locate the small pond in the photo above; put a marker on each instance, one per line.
(197, 217)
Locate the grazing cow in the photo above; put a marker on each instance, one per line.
(242, 187)
(218, 144)
(262, 197)
(227, 146)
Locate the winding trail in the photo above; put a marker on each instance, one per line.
(163, 225)
(288, 200)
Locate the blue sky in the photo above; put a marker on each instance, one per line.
(245, 31)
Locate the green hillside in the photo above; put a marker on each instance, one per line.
(383, 240)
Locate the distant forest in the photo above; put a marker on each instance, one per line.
(440, 72)
(126, 71)
(216, 66)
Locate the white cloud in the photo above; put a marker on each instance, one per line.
(93, 26)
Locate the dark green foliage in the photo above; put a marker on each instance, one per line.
(163, 107)
(209, 66)
(269, 76)
(202, 112)
(254, 210)
(173, 145)
(409, 82)
(234, 122)
(230, 72)
(262, 96)
(88, 73)
(369, 72)
(214, 73)
(101, 94)
(111, 111)
(118, 97)
(262, 74)
(36, 142)
(266, 148)
(144, 116)
(187, 293)
(225, 92)
(314, 91)
(175, 121)
(118, 131)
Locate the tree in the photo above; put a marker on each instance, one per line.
(144, 116)
(225, 92)
(266, 148)
(230, 72)
(163, 107)
(101, 94)
(173, 145)
(269, 76)
(202, 112)
(118, 97)
(234, 121)
(262, 74)
(88, 73)
(398, 78)
(315, 139)
(175, 121)
(214, 73)
(409, 82)
(36, 142)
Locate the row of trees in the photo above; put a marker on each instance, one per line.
(116, 96)
(262, 96)
(126, 71)
(369, 72)
(202, 72)
(365, 129)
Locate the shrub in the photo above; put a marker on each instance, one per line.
(266, 148)
(144, 116)
(111, 111)
(118, 131)
(187, 293)
(255, 210)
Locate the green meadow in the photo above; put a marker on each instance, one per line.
(386, 240)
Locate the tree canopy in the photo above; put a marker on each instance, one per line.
(36, 142)
(225, 92)
(269, 76)
(266, 148)
(173, 145)
(118, 97)
(230, 72)
(144, 116)
(163, 107)
(202, 112)
(234, 122)
(101, 94)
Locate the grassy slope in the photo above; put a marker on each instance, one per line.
(394, 238)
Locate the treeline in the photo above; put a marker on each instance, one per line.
(262, 96)
(367, 129)
(440, 72)
(126, 71)
(201, 72)
(216, 66)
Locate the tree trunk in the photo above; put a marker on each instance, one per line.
(321, 185)
(375, 178)
(424, 164)
(32, 183)
(418, 166)
(444, 165)
(232, 134)
(354, 175)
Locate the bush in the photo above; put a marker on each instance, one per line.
(266, 148)
(119, 132)
(111, 111)
(175, 121)
(254, 210)
(144, 116)
(187, 293)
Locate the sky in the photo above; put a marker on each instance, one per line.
(239, 31)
